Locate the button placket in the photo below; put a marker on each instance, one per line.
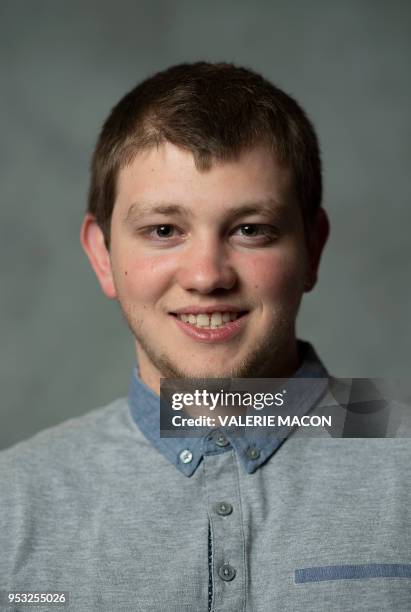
(221, 477)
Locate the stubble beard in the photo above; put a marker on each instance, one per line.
(266, 359)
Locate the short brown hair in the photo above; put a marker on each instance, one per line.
(214, 110)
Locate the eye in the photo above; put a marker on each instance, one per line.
(162, 235)
(261, 232)
(252, 229)
(163, 231)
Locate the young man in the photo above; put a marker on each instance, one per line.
(205, 223)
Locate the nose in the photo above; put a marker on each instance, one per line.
(206, 268)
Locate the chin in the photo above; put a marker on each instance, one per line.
(201, 372)
(237, 370)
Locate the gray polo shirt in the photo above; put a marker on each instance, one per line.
(103, 508)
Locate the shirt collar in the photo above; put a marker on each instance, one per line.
(252, 450)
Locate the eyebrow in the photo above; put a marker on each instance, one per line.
(139, 209)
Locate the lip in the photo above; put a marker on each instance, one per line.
(212, 336)
(208, 309)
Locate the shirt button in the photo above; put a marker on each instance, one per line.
(253, 453)
(226, 572)
(186, 456)
(223, 508)
(220, 439)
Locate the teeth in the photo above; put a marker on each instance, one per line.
(216, 319)
(212, 321)
(203, 320)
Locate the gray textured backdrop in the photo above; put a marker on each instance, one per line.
(65, 349)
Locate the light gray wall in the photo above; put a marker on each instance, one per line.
(65, 349)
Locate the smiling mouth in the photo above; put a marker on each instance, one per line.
(212, 320)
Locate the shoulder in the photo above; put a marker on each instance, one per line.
(69, 446)
(59, 472)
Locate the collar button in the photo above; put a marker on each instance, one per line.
(253, 453)
(186, 456)
(220, 439)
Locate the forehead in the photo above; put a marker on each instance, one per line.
(168, 175)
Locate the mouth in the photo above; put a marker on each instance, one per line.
(209, 320)
(213, 327)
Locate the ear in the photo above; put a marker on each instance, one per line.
(319, 232)
(92, 240)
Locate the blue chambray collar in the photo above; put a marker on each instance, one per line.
(252, 450)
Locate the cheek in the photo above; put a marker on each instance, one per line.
(143, 279)
(275, 274)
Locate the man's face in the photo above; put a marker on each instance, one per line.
(228, 241)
